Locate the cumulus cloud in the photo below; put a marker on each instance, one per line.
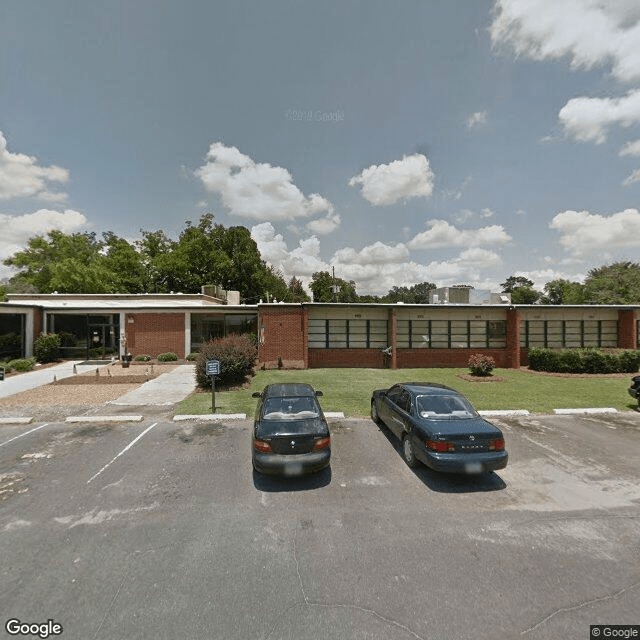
(583, 233)
(377, 253)
(257, 191)
(477, 120)
(443, 234)
(589, 32)
(16, 230)
(386, 184)
(631, 149)
(588, 119)
(634, 177)
(323, 226)
(22, 177)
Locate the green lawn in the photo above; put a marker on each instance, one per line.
(349, 390)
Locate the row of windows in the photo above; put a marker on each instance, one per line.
(569, 333)
(430, 334)
(452, 334)
(347, 334)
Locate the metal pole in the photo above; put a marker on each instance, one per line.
(213, 394)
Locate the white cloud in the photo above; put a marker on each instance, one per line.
(16, 230)
(375, 254)
(583, 233)
(588, 119)
(477, 120)
(254, 190)
(22, 177)
(443, 234)
(386, 184)
(634, 177)
(631, 149)
(590, 32)
(323, 226)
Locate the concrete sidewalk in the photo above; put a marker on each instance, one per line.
(39, 377)
(168, 388)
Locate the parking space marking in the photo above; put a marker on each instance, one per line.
(26, 433)
(93, 477)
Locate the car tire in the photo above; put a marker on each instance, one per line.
(408, 453)
(374, 413)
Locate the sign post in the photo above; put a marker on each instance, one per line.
(1, 373)
(213, 370)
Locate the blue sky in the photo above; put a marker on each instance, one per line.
(454, 142)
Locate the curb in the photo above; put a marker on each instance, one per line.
(16, 420)
(560, 412)
(104, 419)
(505, 412)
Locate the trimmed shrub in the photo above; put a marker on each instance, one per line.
(481, 365)
(192, 357)
(588, 360)
(22, 364)
(46, 346)
(167, 357)
(236, 354)
(143, 358)
(6, 366)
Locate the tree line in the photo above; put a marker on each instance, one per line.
(208, 253)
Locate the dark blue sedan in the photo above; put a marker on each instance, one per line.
(290, 433)
(439, 427)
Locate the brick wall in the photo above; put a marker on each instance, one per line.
(368, 358)
(627, 333)
(282, 337)
(413, 358)
(155, 333)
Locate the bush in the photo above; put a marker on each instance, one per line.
(588, 360)
(143, 358)
(167, 357)
(192, 357)
(22, 364)
(481, 365)
(236, 354)
(46, 347)
(6, 366)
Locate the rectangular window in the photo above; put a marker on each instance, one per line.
(346, 334)
(451, 334)
(570, 334)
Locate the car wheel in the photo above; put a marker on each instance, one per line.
(374, 413)
(408, 453)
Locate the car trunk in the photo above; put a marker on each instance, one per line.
(468, 436)
(286, 438)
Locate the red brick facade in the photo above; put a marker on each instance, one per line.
(155, 333)
(282, 337)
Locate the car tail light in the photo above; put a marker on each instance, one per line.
(322, 443)
(440, 447)
(497, 445)
(263, 446)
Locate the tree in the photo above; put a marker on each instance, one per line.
(617, 283)
(64, 263)
(322, 283)
(514, 282)
(296, 292)
(126, 265)
(416, 294)
(562, 291)
(524, 295)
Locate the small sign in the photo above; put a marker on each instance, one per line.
(1, 373)
(213, 367)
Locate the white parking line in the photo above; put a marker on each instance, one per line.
(93, 477)
(26, 433)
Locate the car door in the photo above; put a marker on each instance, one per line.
(392, 412)
(403, 417)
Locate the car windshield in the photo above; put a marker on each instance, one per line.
(290, 408)
(441, 407)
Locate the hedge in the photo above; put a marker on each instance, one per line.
(588, 360)
(236, 354)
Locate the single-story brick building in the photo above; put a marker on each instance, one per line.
(311, 335)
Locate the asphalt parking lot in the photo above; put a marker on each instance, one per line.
(157, 529)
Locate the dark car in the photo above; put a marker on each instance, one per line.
(634, 389)
(440, 428)
(290, 433)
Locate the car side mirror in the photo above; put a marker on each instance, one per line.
(319, 393)
(256, 394)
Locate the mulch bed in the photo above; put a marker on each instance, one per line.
(469, 378)
(128, 379)
(619, 376)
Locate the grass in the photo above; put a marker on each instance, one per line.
(349, 390)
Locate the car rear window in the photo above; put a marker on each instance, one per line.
(442, 407)
(290, 408)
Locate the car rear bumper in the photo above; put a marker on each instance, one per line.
(465, 463)
(291, 465)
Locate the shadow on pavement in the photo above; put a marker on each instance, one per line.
(309, 482)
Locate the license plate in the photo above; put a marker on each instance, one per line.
(473, 467)
(293, 469)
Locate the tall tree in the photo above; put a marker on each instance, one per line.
(514, 282)
(296, 292)
(563, 291)
(416, 294)
(322, 283)
(617, 283)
